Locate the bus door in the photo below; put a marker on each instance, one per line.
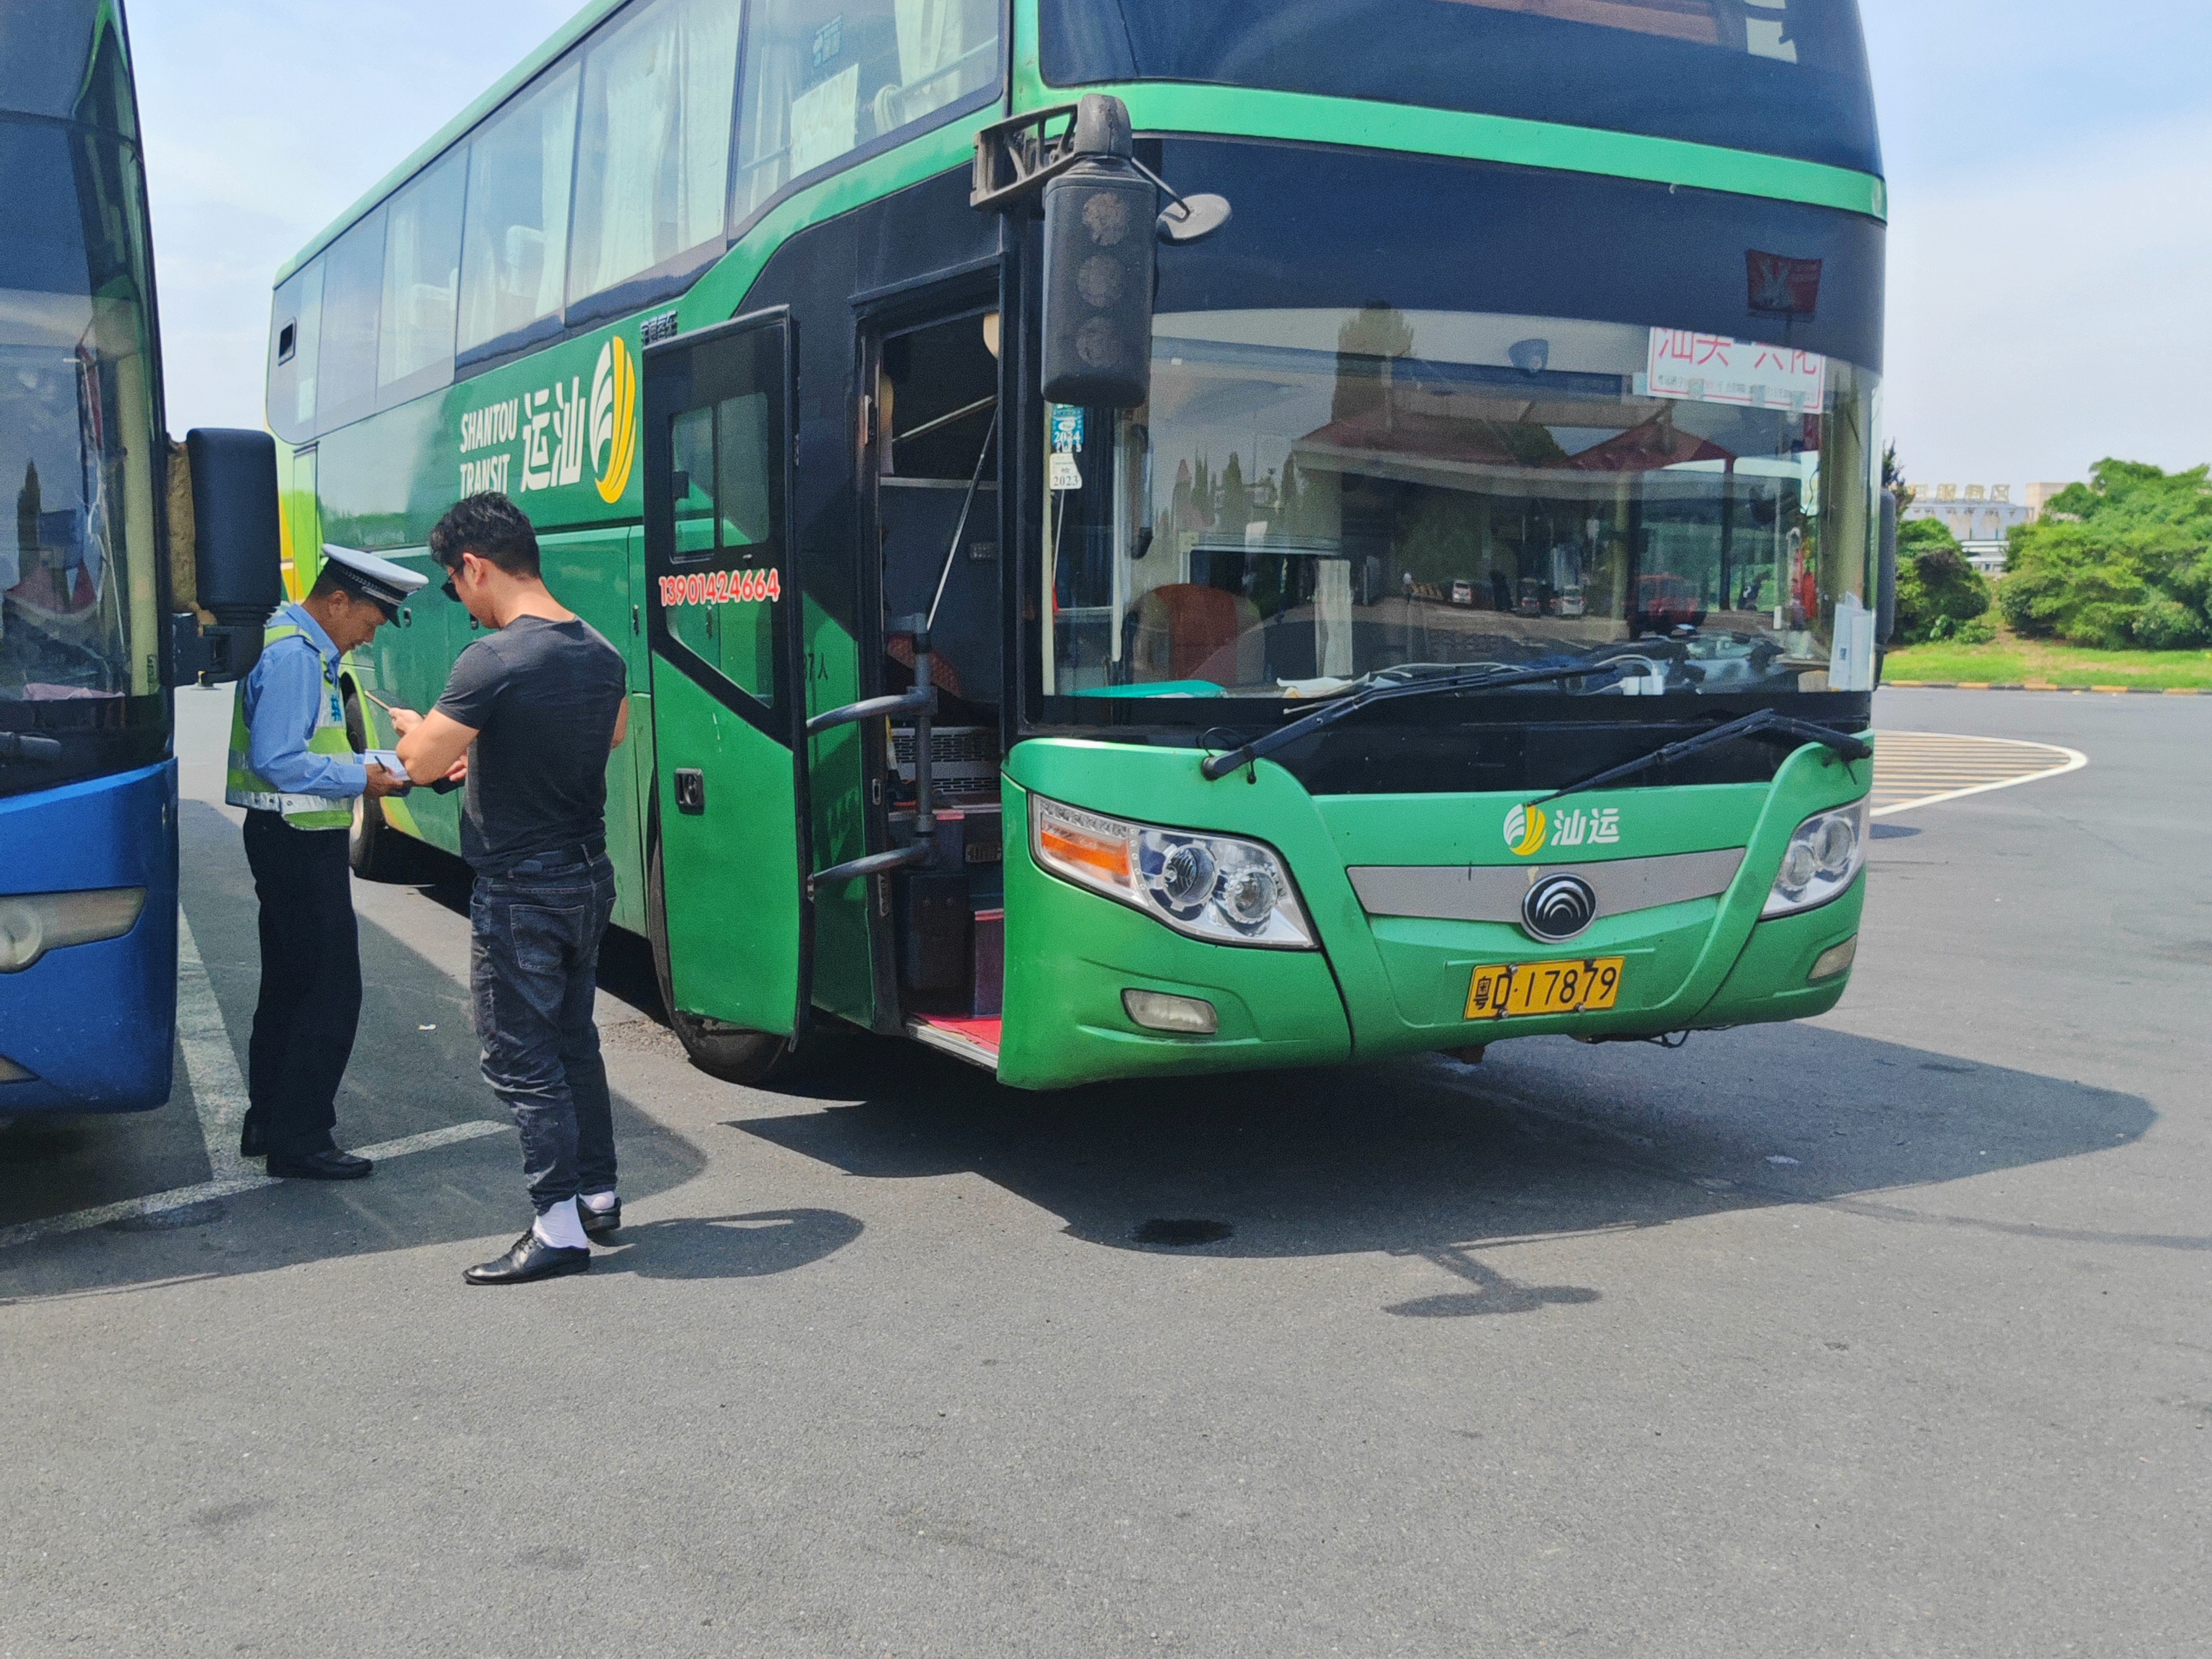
(722, 609)
(930, 485)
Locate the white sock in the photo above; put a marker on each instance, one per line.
(561, 1228)
(599, 1203)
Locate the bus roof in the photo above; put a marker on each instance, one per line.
(594, 12)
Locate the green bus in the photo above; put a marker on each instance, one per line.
(1452, 615)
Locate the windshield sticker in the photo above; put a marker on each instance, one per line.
(1066, 429)
(1065, 474)
(1529, 829)
(1713, 368)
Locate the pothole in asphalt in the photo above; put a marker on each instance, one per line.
(1183, 1235)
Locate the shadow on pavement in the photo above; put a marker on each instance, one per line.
(414, 1069)
(1436, 1159)
(727, 1246)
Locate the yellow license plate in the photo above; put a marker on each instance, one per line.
(1544, 988)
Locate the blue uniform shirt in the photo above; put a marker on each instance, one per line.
(282, 694)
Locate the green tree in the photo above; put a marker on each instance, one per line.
(1236, 505)
(1939, 595)
(2124, 560)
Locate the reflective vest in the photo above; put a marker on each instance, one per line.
(246, 788)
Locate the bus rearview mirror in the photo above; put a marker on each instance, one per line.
(1100, 247)
(238, 549)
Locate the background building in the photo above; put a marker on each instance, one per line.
(1981, 515)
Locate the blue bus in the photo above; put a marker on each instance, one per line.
(95, 625)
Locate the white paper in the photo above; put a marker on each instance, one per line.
(822, 120)
(1713, 368)
(1851, 657)
(1065, 474)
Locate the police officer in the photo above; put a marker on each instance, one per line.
(296, 775)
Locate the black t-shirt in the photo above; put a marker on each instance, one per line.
(543, 698)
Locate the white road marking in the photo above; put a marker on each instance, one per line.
(210, 1063)
(219, 1094)
(178, 1198)
(1924, 758)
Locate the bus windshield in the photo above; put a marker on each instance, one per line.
(78, 598)
(1784, 77)
(79, 447)
(1315, 496)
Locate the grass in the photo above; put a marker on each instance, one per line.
(2010, 660)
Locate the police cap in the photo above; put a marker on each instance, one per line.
(386, 584)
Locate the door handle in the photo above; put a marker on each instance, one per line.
(690, 790)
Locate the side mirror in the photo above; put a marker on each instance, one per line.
(1885, 604)
(1100, 239)
(238, 552)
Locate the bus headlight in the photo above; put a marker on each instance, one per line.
(1825, 852)
(1220, 888)
(32, 924)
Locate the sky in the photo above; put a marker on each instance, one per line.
(2050, 174)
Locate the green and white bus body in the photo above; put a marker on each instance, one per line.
(1538, 338)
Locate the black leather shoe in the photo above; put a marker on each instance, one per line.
(598, 1223)
(329, 1165)
(530, 1257)
(252, 1138)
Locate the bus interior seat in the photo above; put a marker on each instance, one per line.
(1187, 631)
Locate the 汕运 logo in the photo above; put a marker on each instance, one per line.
(1525, 827)
(560, 432)
(614, 419)
(1529, 829)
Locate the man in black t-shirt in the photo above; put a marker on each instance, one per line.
(527, 718)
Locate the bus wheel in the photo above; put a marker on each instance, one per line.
(731, 1053)
(376, 850)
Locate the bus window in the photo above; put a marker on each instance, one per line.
(1787, 77)
(299, 307)
(353, 292)
(78, 608)
(421, 277)
(724, 539)
(936, 387)
(516, 244)
(1316, 495)
(655, 169)
(823, 77)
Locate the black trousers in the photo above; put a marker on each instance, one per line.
(533, 970)
(310, 1005)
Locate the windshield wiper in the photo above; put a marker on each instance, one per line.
(1765, 725)
(1220, 766)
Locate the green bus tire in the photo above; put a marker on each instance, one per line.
(376, 850)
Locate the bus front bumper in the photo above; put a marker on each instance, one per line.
(89, 1027)
(1383, 984)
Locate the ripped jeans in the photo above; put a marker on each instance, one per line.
(533, 964)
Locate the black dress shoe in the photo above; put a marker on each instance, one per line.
(530, 1257)
(328, 1165)
(598, 1223)
(252, 1138)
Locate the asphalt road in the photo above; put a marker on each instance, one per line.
(1883, 1334)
